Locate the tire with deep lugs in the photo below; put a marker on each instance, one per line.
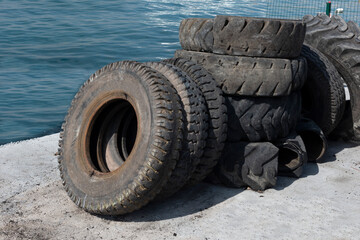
(243, 36)
(251, 76)
(258, 119)
(340, 43)
(196, 125)
(248, 164)
(323, 95)
(135, 179)
(217, 111)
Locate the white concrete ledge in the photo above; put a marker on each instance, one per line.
(324, 204)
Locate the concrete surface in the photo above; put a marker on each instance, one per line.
(324, 204)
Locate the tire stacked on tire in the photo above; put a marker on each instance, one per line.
(257, 64)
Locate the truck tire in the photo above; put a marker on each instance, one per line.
(258, 119)
(140, 177)
(323, 95)
(250, 76)
(248, 164)
(340, 43)
(243, 36)
(196, 125)
(217, 111)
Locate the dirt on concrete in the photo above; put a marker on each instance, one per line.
(323, 204)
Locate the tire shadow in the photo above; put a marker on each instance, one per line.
(202, 196)
(311, 168)
(187, 201)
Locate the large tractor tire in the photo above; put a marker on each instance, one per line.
(340, 43)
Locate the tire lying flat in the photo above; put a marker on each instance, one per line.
(243, 36)
(140, 177)
(196, 125)
(258, 119)
(323, 95)
(251, 76)
(217, 112)
(340, 43)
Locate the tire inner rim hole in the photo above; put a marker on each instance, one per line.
(112, 135)
(288, 160)
(313, 143)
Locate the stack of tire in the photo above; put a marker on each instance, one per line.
(139, 131)
(258, 66)
(228, 106)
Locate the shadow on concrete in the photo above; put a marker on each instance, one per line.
(311, 169)
(188, 201)
(202, 196)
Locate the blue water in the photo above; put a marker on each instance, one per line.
(49, 48)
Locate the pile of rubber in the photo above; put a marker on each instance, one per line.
(230, 107)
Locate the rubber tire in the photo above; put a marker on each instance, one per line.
(292, 156)
(218, 118)
(248, 164)
(243, 36)
(153, 156)
(340, 43)
(250, 76)
(257, 119)
(196, 122)
(314, 139)
(323, 94)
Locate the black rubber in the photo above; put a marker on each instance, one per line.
(196, 34)
(323, 95)
(196, 122)
(141, 176)
(251, 76)
(292, 156)
(243, 36)
(218, 117)
(257, 119)
(314, 139)
(248, 164)
(340, 43)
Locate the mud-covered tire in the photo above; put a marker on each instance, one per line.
(153, 156)
(251, 76)
(340, 43)
(248, 164)
(243, 36)
(292, 156)
(257, 119)
(323, 95)
(196, 125)
(217, 111)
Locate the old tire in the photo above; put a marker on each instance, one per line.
(249, 76)
(153, 156)
(248, 164)
(243, 36)
(323, 95)
(340, 43)
(217, 112)
(257, 119)
(292, 156)
(314, 139)
(196, 125)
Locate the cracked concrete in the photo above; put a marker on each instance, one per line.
(323, 204)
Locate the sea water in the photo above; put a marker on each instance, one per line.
(48, 48)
